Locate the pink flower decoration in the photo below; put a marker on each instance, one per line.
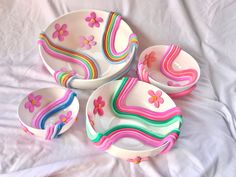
(155, 98)
(87, 43)
(138, 159)
(60, 32)
(65, 118)
(98, 105)
(93, 20)
(33, 101)
(149, 59)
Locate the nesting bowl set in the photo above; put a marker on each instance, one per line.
(130, 118)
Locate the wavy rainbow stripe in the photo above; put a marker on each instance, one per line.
(51, 109)
(105, 140)
(166, 67)
(108, 40)
(64, 78)
(86, 62)
(154, 118)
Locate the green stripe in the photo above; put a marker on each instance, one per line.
(119, 127)
(135, 116)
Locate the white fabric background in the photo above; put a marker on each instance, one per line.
(207, 145)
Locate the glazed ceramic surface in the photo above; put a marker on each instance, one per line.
(101, 118)
(48, 112)
(87, 48)
(169, 68)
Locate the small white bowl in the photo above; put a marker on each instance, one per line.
(74, 41)
(101, 118)
(152, 61)
(48, 112)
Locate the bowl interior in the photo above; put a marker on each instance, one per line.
(48, 95)
(77, 27)
(182, 62)
(138, 97)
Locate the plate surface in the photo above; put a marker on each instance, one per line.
(101, 117)
(46, 108)
(91, 47)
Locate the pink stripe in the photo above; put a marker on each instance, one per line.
(152, 115)
(167, 69)
(64, 58)
(48, 107)
(48, 132)
(106, 141)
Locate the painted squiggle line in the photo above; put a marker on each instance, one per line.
(86, 62)
(108, 40)
(53, 131)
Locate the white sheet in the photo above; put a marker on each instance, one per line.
(206, 146)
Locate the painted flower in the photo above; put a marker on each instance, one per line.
(88, 42)
(149, 59)
(155, 98)
(93, 20)
(170, 83)
(33, 101)
(65, 118)
(60, 32)
(138, 159)
(98, 105)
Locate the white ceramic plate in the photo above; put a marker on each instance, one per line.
(84, 34)
(150, 68)
(48, 112)
(129, 148)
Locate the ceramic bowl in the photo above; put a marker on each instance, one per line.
(87, 48)
(132, 120)
(48, 112)
(169, 68)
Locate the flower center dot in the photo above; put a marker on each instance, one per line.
(154, 98)
(33, 102)
(63, 119)
(61, 32)
(86, 41)
(93, 20)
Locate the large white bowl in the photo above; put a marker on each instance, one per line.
(128, 148)
(77, 26)
(155, 76)
(44, 98)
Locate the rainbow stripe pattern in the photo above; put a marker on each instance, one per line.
(49, 110)
(86, 62)
(64, 78)
(166, 68)
(104, 140)
(108, 40)
(119, 107)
